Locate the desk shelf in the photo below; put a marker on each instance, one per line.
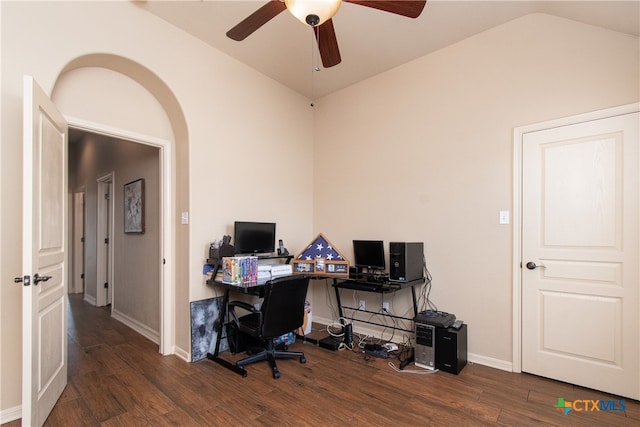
(355, 285)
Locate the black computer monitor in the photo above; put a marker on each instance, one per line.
(254, 237)
(369, 254)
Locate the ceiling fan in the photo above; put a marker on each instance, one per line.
(318, 14)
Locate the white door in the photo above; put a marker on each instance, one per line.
(580, 272)
(44, 341)
(109, 245)
(77, 282)
(104, 255)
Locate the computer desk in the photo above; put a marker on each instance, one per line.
(339, 283)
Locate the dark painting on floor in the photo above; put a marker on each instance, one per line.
(203, 334)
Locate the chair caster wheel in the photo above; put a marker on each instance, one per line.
(303, 359)
(276, 375)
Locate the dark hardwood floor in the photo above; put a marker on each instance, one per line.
(118, 378)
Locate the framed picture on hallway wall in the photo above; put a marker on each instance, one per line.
(134, 207)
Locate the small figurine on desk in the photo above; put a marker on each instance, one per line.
(281, 249)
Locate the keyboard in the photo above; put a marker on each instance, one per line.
(362, 286)
(376, 277)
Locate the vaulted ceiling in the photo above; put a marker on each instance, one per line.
(370, 41)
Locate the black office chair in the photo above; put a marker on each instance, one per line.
(282, 311)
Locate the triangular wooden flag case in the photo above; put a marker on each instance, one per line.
(321, 258)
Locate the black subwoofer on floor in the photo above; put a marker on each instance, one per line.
(451, 349)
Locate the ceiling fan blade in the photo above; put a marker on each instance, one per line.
(408, 8)
(327, 44)
(256, 20)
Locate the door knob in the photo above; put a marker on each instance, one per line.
(26, 280)
(38, 278)
(532, 265)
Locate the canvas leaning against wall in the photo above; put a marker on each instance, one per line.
(204, 314)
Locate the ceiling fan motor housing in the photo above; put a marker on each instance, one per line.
(312, 20)
(313, 12)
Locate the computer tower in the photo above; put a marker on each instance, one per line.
(406, 261)
(424, 351)
(451, 349)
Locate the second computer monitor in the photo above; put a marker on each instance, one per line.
(369, 254)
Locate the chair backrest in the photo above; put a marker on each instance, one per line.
(283, 305)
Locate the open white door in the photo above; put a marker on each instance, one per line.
(44, 340)
(104, 254)
(76, 282)
(580, 253)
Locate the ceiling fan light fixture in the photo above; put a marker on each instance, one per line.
(313, 12)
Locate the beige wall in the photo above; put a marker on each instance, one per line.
(425, 154)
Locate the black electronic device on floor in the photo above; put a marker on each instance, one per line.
(451, 349)
(441, 341)
(439, 319)
(425, 352)
(330, 343)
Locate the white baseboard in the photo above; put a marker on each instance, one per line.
(11, 414)
(91, 300)
(182, 354)
(140, 328)
(503, 365)
(479, 359)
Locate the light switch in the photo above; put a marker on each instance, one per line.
(504, 217)
(185, 218)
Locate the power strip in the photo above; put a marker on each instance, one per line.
(382, 354)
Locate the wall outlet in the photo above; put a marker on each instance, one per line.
(361, 305)
(385, 306)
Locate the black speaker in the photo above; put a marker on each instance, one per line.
(355, 273)
(451, 349)
(406, 261)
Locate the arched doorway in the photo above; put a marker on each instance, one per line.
(81, 94)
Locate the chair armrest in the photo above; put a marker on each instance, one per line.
(243, 305)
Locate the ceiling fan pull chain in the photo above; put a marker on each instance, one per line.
(314, 67)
